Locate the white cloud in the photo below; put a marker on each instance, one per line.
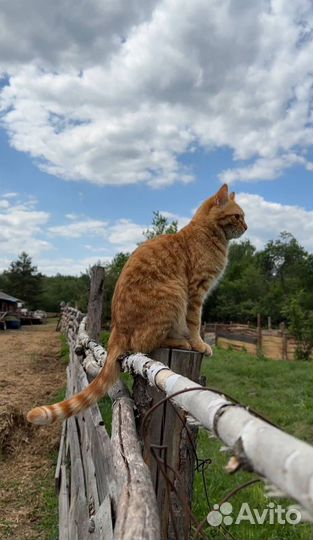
(66, 35)
(4, 203)
(94, 227)
(266, 220)
(126, 233)
(10, 195)
(264, 169)
(68, 265)
(21, 229)
(122, 235)
(118, 100)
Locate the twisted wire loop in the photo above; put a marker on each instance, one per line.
(173, 478)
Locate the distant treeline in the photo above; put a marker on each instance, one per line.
(275, 281)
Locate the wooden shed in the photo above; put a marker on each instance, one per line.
(9, 303)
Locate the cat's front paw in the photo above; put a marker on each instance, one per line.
(200, 346)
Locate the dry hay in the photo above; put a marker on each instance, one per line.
(14, 430)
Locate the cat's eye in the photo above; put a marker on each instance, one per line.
(237, 216)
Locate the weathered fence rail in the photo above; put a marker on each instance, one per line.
(111, 487)
(105, 488)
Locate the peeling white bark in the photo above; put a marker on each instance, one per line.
(84, 341)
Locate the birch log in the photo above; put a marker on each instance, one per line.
(257, 446)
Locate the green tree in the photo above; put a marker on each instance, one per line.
(262, 282)
(24, 281)
(112, 273)
(160, 225)
(237, 296)
(60, 288)
(287, 268)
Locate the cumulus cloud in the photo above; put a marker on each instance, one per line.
(120, 99)
(81, 228)
(266, 220)
(75, 33)
(264, 169)
(122, 235)
(21, 229)
(10, 195)
(125, 233)
(69, 266)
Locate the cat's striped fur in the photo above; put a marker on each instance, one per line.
(158, 297)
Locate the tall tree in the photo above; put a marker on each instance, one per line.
(236, 297)
(60, 288)
(160, 225)
(24, 281)
(112, 272)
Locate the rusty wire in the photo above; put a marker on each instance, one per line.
(201, 464)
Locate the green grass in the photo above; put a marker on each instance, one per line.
(48, 525)
(104, 338)
(65, 350)
(105, 404)
(279, 390)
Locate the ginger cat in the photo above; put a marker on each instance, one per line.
(158, 297)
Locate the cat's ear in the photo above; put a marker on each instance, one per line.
(232, 196)
(221, 196)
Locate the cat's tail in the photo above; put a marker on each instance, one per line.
(47, 414)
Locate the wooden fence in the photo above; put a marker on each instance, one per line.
(275, 344)
(137, 484)
(103, 482)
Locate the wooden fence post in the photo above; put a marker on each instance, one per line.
(105, 488)
(269, 323)
(166, 430)
(284, 343)
(259, 336)
(95, 302)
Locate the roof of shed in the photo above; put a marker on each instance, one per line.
(8, 297)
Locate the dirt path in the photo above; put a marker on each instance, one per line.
(31, 373)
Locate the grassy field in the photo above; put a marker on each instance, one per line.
(280, 391)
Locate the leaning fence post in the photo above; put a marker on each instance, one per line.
(284, 342)
(172, 442)
(95, 302)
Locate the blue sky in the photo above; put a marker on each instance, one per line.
(98, 131)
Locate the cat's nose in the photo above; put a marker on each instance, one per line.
(245, 226)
